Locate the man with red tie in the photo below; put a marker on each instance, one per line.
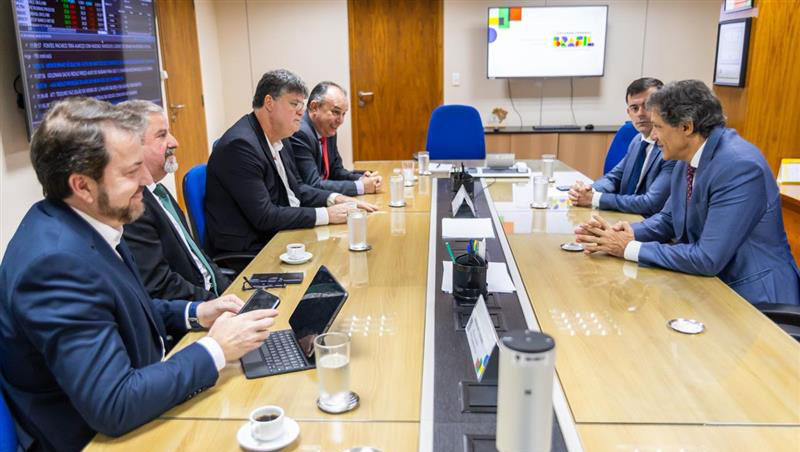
(314, 145)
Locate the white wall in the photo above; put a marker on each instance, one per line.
(307, 37)
(19, 188)
(666, 39)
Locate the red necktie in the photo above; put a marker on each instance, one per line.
(690, 180)
(325, 164)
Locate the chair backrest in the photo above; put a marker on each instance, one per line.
(194, 193)
(456, 132)
(619, 146)
(8, 432)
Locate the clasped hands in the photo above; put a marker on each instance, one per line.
(599, 236)
(372, 182)
(581, 194)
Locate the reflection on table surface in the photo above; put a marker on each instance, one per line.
(382, 313)
(609, 318)
(220, 436)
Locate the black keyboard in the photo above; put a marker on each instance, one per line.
(279, 354)
(566, 127)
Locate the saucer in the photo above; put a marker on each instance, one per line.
(402, 204)
(286, 259)
(290, 431)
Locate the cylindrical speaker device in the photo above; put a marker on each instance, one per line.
(525, 392)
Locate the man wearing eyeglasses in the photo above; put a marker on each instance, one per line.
(640, 182)
(314, 145)
(253, 190)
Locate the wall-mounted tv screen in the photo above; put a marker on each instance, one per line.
(548, 41)
(105, 49)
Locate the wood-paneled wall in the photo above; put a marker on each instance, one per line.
(766, 111)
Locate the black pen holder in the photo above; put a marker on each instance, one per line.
(469, 278)
(459, 178)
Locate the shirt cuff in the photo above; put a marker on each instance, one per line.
(186, 316)
(213, 349)
(359, 187)
(332, 200)
(596, 199)
(632, 250)
(322, 216)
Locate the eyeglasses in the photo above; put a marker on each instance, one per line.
(269, 283)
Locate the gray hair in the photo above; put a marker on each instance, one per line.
(688, 101)
(141, 107)
(277, 83)
(72, 139)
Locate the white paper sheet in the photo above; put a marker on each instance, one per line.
(440, 167)
(467, 228)
(497, 278)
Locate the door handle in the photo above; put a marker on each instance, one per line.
(363, 96)
(174, 110)
(176, 107)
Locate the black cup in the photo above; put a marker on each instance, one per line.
(458, 179)
(469, 278)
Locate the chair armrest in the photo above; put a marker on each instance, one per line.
(781, 313)
(230, 264)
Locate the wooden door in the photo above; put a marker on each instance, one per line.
(177, 31)
(396, 55)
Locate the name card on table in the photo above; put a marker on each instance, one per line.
(482, 340)
(459, 200)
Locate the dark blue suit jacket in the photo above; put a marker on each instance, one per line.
(732, 226)
(307, 153)
(653, 190)
(81, 340)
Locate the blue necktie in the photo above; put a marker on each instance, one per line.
(636, 172)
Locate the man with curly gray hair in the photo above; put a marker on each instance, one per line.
(723, 217)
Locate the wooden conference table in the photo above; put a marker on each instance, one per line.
(631, 383)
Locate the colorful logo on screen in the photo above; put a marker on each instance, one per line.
(480, 364)
(583, 40)
(502, 18)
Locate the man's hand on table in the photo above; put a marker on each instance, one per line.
(208, 311)
(239, 334)
(581, 194)
(599, 236)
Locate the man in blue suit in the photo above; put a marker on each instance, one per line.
(81, 342)
(639, 183)
(723, 217)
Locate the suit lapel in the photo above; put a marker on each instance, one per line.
(630, 160)
(695, 218)
(267, 155)
(152, 203)
(655, 154)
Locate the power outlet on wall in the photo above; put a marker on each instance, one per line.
(456, 79)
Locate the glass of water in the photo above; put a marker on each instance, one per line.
(424, 160)
(357, 229)
(332, 352)
(547, 166)
(396, 191)
(408, 172)
(539, 192)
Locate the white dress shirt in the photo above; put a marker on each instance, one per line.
(113, 236)
(633, 247)
(649, 150)
(322, 213)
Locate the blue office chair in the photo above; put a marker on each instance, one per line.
(619, 146)
(194, 193)
(455, 132)
(8, 432)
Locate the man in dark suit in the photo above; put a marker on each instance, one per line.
(639, 183)
(252, 188)
(723, 217)
(81, 341)
(171, 263)
(314, 145)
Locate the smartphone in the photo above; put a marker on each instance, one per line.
(287, 278)
(563, 188)
(260, 299)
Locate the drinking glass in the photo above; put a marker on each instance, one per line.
(539, 192)
(332, 352)
(547, 166)
(357, 229)
(408, 172)
(396, 191)
(424, 160)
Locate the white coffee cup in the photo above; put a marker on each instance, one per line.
(295, 251)
(266, 423)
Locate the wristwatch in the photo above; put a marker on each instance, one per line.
(193, 322)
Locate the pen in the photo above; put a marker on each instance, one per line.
(453, 258)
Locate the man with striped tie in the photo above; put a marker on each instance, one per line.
(639, 183)
(170, 261)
